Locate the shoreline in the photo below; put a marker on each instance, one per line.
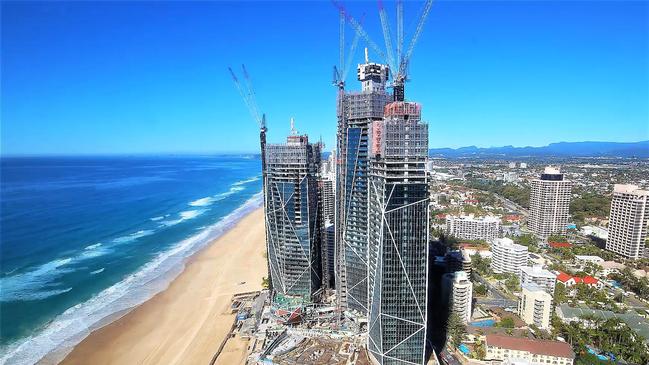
(185, 322)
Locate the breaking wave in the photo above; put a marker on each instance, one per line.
(73, 325)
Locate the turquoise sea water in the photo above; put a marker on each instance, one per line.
(85, 238)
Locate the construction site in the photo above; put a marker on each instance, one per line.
(335, 295)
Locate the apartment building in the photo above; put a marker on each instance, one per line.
(469, 227)
(535, 352)
(539, 276)
(457, 287)
(507, 256)
(549, 203)
(535, 305)
(628, 220)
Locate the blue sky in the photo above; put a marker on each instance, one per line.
(151, 77)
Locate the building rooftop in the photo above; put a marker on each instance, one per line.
(637, 323)
(539, 347)
(629, 189)
(537, 271)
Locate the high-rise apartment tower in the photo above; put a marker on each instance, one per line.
(549, 203)
(628, 220)
(398, 236)
(292, 221)
(356, 111)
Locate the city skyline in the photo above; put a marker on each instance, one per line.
(81, 79)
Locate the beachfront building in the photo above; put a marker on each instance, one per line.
(507, 256)
(535, 305)
(457, 287)
(628, 221)
(356, 111)
(398, 238)
(469, 227)
(534, 352)
(539, 276)
(292, 222)
(549, 203)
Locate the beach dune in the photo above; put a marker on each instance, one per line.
(186, 323)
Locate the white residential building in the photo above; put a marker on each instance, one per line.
(536, 352)
(539, 276)
(628, 220)
(459, 289)
(535, 306)
(508, 257)
(468, 227)
(549, 203)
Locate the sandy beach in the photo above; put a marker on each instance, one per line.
(186, 323)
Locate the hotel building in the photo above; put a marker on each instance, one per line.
(628, 220)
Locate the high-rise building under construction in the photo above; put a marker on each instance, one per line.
(356, 111)
(292, 219)
(398, 236)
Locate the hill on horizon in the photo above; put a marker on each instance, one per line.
(560, 149)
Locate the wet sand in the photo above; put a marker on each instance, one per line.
(186, 323)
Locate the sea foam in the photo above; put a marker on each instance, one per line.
(73, 325)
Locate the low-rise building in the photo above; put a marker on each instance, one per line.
(536, 352)
(595, 231)
(610, 267)
(508, 257)
(569, 280)
(584, 259)
(539, 276)
(535, 305)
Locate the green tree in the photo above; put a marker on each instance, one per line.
(512, 283)
(265, 283)
(480, 290)
(456, 330)
(507, 322)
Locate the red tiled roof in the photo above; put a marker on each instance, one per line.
(563, 277)
(560, 244)
(539, 347)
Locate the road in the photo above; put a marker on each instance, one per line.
(508, 204)
(496, 297)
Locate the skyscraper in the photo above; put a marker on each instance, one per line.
(549, 203)
(356, 111)
(292, 222)
(628, 220)
(398, 236)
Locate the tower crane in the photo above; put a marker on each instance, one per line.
(342, 70)
(248, 94)
(399, 65)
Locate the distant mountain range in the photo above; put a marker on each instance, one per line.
(561, 149)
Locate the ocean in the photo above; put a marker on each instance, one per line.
(84, 239)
